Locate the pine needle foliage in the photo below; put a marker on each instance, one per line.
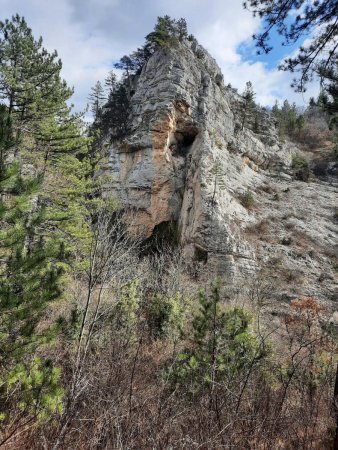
(216, 177)
(49, 199)
(29, 77)
(222, 346)
(314, 21)
(248, 105)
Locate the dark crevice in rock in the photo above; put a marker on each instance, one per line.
(201, 255)
(164, 235)
(183, 141)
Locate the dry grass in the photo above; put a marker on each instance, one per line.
(124, 398)
(127, 401)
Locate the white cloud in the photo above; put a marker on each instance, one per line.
(90, 34)
(222, 40)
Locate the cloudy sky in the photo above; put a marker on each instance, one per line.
(90, 35)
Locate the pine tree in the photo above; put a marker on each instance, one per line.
(45, 221)
(181, 29)
(132, 64)
(287, 118)
(216, 176)
(116, 114)
(168, 32)
(7, 141)
(30, 79)
(31, 274)
(248, 105)
(289, 114)
(257, 124)
(163, 33)
(141, 56)
(300, 122)
(129, 67)
(127, 64)
(110, 83)
(45, 217)
(222, 345)
(97, 99)
(330, 105)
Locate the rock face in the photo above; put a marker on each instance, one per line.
(187, 162)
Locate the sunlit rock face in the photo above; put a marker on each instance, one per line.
(187, 161)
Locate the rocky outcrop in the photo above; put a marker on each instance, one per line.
(186, 161)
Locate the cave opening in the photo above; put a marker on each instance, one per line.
(164, 235)
(188, 139)
(184, 140)
(201, 255)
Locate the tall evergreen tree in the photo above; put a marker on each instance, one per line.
(110, 83)
(287, 118)
(29, 77)
(116, 114)
(248, 105)
(331, 106)
(129, 67)
(97, 99)
(30, 279)
(141, 56)
(216, 177)
(6, 137)
(45, 217)
(167, 32)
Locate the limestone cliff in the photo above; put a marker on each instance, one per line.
(186, 161)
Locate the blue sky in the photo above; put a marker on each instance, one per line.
(248, 51)
(90, 34)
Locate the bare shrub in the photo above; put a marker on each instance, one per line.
(264, 384)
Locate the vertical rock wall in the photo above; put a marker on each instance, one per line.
(184, 131)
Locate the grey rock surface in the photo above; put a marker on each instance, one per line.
(187, 161)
